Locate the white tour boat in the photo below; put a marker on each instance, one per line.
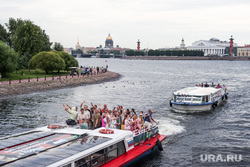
(64, 146)
(198, 98)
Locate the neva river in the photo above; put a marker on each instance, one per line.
(149, 84)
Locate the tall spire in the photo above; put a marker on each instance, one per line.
(138, 45)
(231, 46)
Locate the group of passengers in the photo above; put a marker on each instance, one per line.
(212, 85)
(118, 118)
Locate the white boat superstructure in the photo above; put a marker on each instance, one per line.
(198, 98)
(67, 146)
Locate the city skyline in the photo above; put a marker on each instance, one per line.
(157, 24)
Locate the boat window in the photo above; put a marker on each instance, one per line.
(69, 165)
(99, 161)
(97, 154)
(111, 155)
(112, 147)
(196, 99)
(84, 162)
(179, 98)
(121, 148)
(87, 164)
(188, 98)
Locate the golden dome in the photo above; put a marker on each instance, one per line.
(109, 37)
(78, 46)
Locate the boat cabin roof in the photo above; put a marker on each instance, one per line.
(45, 147)
(196, 91)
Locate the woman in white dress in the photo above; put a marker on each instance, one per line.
(127, 122)
(113, 122)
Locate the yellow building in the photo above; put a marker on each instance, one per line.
(243, 51)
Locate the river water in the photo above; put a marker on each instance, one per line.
(149, 84)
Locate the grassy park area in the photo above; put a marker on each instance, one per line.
(26, 74)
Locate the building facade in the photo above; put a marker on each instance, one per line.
(243, 51)
(212, 47)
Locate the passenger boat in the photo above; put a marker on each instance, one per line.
(198, 98)
(64, 146)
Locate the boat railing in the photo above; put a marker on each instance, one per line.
(141, 135)
(147, 128)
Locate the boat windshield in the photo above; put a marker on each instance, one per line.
(189, 99)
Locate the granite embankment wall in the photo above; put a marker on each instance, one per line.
(27, 87)
(184, 58)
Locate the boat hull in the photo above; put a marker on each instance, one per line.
(136, 153)
(181, 107)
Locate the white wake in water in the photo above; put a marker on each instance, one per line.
(170, 127)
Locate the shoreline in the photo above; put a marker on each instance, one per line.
(30, 87)
(185, 58)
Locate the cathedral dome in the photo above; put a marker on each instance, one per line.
(109, 37)
(109, 42)
(78, 46)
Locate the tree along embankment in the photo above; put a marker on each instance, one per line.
(184, 58)
(27, 87)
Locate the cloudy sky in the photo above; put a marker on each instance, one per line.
(157, 23)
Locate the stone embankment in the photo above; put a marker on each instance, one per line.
(27, 87)
(230, 58)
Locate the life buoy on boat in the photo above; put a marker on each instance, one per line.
(106, 131)
(170, 103)
(54, 126)
(158, 143)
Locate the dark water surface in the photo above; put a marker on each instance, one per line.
(149, 84)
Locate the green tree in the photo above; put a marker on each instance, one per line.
(12, 26)
(162, 52)
(57, 47)
(130, 52)
(3, 34)
(47, 43)
(139, 53)
(151, 52)
(48, 61)
(23, 60)
(28, 38)
(8, 59)
(69, 60)
(157, 53)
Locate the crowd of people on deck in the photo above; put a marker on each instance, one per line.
(117, 118)
(212, 85)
